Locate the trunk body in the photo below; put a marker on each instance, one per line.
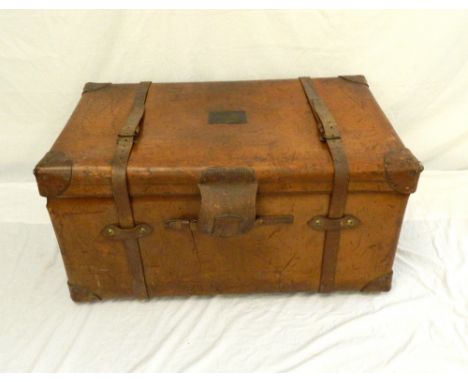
(229, 187)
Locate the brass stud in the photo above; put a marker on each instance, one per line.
(349, 222)
(143, 229)
(110, 231)
(317, 222)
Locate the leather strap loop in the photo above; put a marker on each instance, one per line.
(125, 141)
(330, 134)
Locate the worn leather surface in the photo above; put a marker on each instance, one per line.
(277, 140)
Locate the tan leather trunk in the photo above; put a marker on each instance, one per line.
(227, 187)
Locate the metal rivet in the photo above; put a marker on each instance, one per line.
(318, 222)
(110, 231)
(350, 222)
(142, 229)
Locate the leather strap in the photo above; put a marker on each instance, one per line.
(125, 141)
(329, 133)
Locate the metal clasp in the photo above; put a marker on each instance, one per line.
(113, 231)
(324, 223)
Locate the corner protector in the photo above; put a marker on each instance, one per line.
(53, 173)
(94, 86)
(357, 79)
(82, 294)
(402, 170)
(380, 284)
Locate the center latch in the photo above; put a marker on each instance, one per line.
(228, 197)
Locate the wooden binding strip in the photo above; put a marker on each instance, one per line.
(330, 134)
(125, 141)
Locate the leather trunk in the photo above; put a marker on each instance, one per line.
(227, 187)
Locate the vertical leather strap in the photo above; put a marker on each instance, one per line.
(125, 141)
(329, 133)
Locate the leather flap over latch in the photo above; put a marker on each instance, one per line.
(228, 197)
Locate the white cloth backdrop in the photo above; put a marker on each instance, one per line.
(417, 65)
